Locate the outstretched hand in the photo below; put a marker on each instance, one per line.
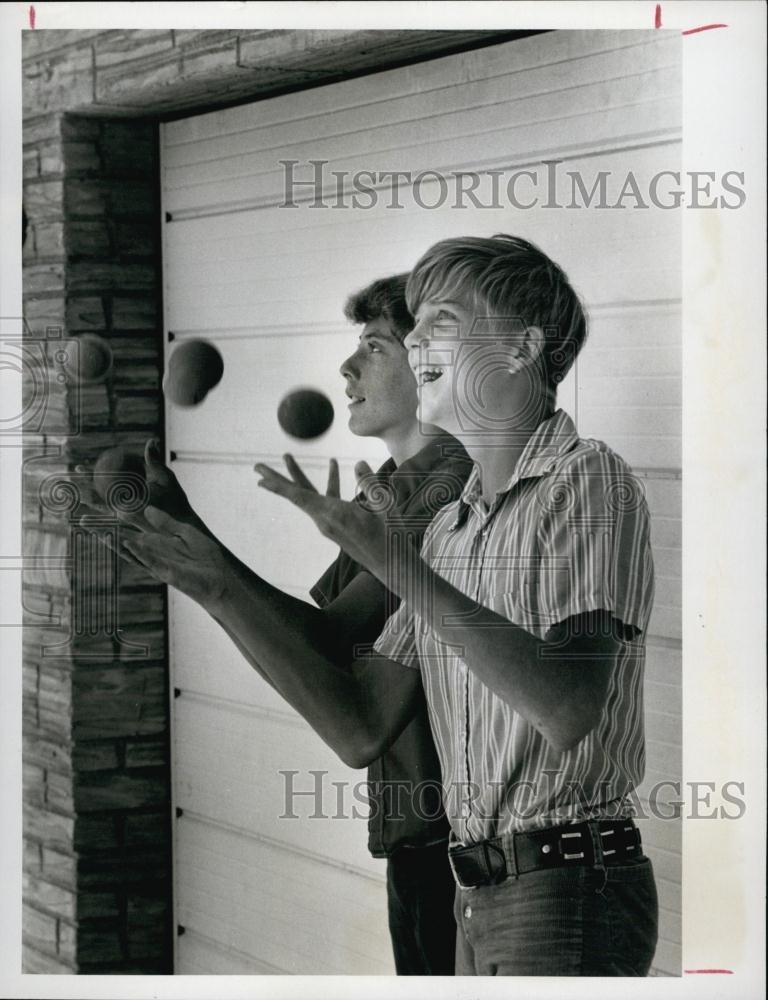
(165, 493)
(182, 556)
(364, 535)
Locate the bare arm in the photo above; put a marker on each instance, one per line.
(558, 684)
(358, 706)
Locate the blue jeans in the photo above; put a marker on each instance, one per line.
(577, 921)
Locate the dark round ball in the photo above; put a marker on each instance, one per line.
(195, 367)
(119, 477)
(305, 413)
(89, 358)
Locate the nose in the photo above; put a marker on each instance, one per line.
(348, 368)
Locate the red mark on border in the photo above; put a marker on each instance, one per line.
(657, 22)
(709, 972)
(32, 17)
(704, 27)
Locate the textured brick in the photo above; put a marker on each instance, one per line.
(43, 199)
(81, 156)
(134, 314)
(97, 904)
(66, 944)
(38, 128)
(100, 940)
(95, 757)
(129, 148)
(58, 791)
(33, 784)
(90, 407)
(54, 898)
(49, 238)
(140, 607)
(43, 313)
(217, 57)
(96, 790)
(95, 833)
(136, 239)
(43, 278)
(39, 929)
(46, 752)
(147, 924)
(120, 701)
(45, 557)
(139, 867)
(135, 375)
(31, 163)
(146, 754)
(118, 47)
(63, 80)
(34, 961)
(138, 411)
(101, 197)
(51, 829)
(89, 239)
(147, 828)
(139, 82)
(32, 856)
(78, 128)
(109, 275)
(60, 866)
(41, 40)
(52, 158)
(84, 313)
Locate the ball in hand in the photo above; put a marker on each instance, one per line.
(119, 477)
(305, 413)
(195, 367)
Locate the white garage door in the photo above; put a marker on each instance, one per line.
(256, 892)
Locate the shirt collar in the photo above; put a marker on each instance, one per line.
(553, 438)
(442, 453)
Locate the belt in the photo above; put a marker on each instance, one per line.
(491, 861)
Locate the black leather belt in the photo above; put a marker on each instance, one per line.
(487, 862)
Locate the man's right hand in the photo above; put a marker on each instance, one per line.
(165, 492)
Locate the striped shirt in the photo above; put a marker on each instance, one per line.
(568, 534)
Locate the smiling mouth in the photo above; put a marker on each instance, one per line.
(354, 400)
(425, 375)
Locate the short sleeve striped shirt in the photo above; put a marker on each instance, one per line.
(568, 534)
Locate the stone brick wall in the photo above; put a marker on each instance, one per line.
(97, 824)
(96, 755)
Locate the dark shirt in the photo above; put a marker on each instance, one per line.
(405, 782)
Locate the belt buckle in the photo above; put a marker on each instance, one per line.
(455, 874)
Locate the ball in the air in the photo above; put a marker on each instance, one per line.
(305, 413)
(89, 358)
(119, 477)
(195, 367)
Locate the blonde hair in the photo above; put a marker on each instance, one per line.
(505, 277)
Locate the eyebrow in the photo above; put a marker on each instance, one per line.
(375, 335)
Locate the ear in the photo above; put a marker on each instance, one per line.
(528, 349)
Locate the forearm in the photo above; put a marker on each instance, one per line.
(551, 684)
(286, 641)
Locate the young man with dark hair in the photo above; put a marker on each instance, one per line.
(407, 824)
(524, 612)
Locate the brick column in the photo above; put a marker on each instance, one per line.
(97, 863)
